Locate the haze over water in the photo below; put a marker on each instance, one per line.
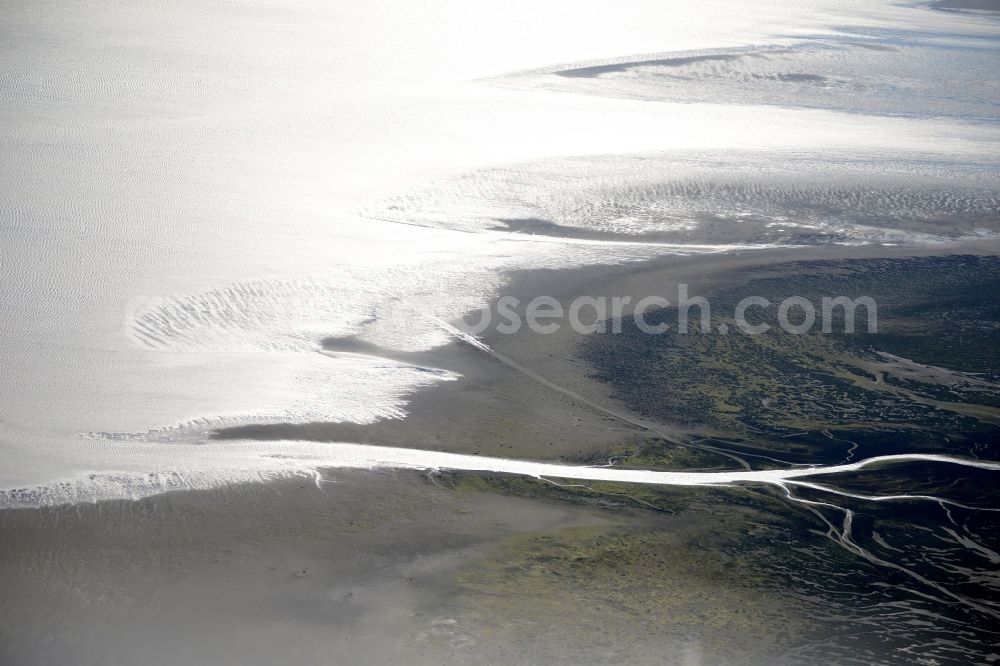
(194, 195)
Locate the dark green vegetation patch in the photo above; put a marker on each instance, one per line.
(927, 379)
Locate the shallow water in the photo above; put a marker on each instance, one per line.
(194, 196)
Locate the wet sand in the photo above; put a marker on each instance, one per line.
(362, 568)
(379, 566)
(982, 5)
(493, 410)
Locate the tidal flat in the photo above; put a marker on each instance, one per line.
(369, 566)
(243, 420)
(863, 574)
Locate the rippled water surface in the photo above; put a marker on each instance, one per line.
(193, 196)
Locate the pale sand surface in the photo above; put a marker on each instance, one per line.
(378, 566)
(366, 568)
(494, 410)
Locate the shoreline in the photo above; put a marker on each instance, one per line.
(473, 564)
(514, 416)
(432, 411)
(373, 567)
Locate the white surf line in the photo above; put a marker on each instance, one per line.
(371, 456)
(786, 476)
(368, 456)
(674, 438)
(309, 458)
(783, 478)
